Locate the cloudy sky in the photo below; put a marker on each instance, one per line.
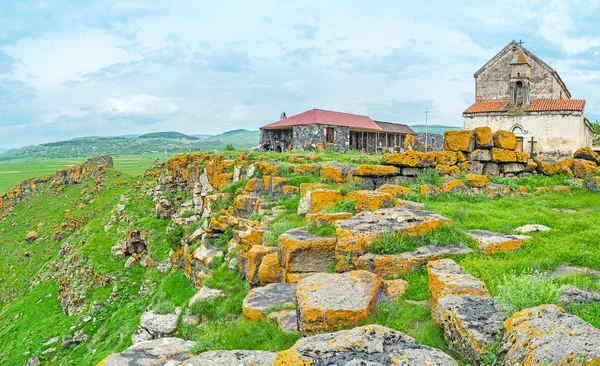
(73, 68)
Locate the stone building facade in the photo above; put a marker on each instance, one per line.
(342, 131)
(519, 92)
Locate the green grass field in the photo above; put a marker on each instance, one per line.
(13, 172)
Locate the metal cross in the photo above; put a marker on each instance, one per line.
(520, 43)
(531, 142)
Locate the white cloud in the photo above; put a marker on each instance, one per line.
(238, 113)
(139, 105)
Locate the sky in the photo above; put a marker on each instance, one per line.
(71, 68)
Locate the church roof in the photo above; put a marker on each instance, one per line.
(509, 48)
(537, 105)
(325, 117)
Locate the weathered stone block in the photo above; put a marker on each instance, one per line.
(395, 289)
(366, 200)
(546, 335)
(491, 242)
(483, 137)
(503, 156)
(512, 168)
(477, 181)
(258, 301)
(586, 153)
(480, 155)
(410, 172)
(456, 140)
(366, 345)
(584, 168)
(454, 186)
(300, 251)
(322, 218)
(376, 170)
(395, 190)
(313, 201)
(328, 302)
(593, 184)
(491, 169)
(505, 140)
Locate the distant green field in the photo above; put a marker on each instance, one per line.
(13, 172)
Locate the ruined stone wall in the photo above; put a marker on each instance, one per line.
(493, 83)
(307, 136)
(435, 141)
(556, 134)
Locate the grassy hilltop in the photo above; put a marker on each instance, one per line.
(77, 225)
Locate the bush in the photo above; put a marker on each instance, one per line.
(174, 236)
(229, 147)
(525, 291)
(327, 229)
(164, 307)
(428, 176)
(224, 239)
(391, 243)
(511, 183)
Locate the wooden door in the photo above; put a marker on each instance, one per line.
(520, 144)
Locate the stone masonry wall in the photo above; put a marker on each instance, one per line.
(267, 136)
(307, 136)
(435, 141)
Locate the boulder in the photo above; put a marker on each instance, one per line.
(395, 190)
(531, 228)
(154, 352)
(477, 181)
(160, 325)
(571, 295)
(546, 335)
(328, 302)
(584, 168)
(472, 167)
(338, 173)
(376, 171)
(366, 200)
(369, 345)
(491, 242)
(483, 137)
(232, 358)
(258, 301)
(322, 218)
(140, 335)
(393, 265)
(410, 205)
(355, 234)
(254, 260)
(313, 201)
(505, 140)
(269, 270)
(31, 236)
(459, 140)
(206, 294)
(454, 186)
(552, 167)
(593, 184)
(286, 319)
(300, 251)
(586, 153)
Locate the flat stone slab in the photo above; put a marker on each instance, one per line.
(491, 242)
(232, 358)
(371, 345)
(531, 228)
(258, 301)
(356, 234)
(571, 295)
(300, 251)
(546, 335)
(565, 270)
(471, 324)
(393, 265)
(329, 301)
(160, 324)
(155, 352)
(287, 320)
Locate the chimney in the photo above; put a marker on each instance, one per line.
(283, 116)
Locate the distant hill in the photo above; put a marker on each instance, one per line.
(167, 135)
(158, 142)
(434, 128)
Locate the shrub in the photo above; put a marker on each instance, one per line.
(428, 176)
(525, 291)
(221, 204)
(174, 236)
(511, 183)
(344, 205)
(229, 147)
(164, 307)
(224, 239)
(327, 229)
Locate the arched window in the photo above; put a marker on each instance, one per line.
(517, 130)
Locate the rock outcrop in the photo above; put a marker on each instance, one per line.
(491, 242)
(260, 300)
(155, 352)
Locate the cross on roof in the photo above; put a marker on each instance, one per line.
(520, 43)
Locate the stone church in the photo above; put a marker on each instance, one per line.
(517, 91)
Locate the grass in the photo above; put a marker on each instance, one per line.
(327, 229)
(525, 291)
(282, 223)
(428, 176)
(391, 243)
(343, 205)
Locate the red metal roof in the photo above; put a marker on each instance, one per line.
(541, 105)
(324, 117)
(537, 105)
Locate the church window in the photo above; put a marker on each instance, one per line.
(517, 130)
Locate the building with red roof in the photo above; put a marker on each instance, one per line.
(343, 131)
(518, 92)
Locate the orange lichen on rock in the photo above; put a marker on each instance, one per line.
(483, 137)
(302, 252)
(267, 168)
(477, 181)
(289, 190)
(455, 140)
(447, 169)
(366, 200)
(303, 169)
(395, 289)
(586, 153)
(269, 270)
(395, 190)
(505, 140)
(375, 170)
(305, 187)
(503, 156)
(455, 185)
(322, 218)
(491, 242)
(558, 167)
(409, 158)
(314, 201)
(584, 168)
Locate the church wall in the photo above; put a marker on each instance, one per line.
(556, 134)
(492, 83)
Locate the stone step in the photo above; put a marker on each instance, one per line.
(301, 252)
